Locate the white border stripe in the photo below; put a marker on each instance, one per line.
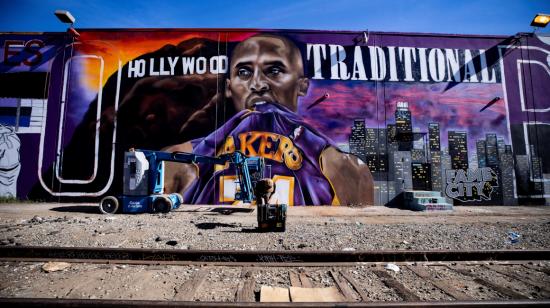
(58, 162)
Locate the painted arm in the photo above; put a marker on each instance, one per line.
(351, 178)
(178, 177)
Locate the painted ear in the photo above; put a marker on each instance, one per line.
(303, 86)
(228, 88)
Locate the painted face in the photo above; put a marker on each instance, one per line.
(266, 68)
(10, 164)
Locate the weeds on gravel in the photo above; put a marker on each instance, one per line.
(11, 200)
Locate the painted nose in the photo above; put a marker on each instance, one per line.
(259, 84)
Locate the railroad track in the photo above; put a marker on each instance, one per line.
(351, 278)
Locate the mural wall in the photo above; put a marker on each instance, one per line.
(340, 117)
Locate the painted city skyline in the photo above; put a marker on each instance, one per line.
(401, 159)
(455, 109)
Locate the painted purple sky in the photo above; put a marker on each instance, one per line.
(454, 109)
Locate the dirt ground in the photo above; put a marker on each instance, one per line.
(234, 228)
(308, 228)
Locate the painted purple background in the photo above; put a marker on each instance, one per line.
(524, 70)
(455, 109)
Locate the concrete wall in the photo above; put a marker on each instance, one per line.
(341, 117)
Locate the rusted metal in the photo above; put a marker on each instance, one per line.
(78, 303)
(279, 257)
(244, 293)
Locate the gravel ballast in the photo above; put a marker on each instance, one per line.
(308, 228)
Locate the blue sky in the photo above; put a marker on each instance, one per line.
(503, 17)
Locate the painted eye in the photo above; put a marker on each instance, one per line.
(244, 73)
(274, 71)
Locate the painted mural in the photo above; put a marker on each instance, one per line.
(341, 118)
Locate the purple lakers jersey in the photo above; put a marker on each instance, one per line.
(291, 149)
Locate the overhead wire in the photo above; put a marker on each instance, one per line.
(216, 99)
(45, 90)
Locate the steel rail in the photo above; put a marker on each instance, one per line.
(49, 302)
(30, 253)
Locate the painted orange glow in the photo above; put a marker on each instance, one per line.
(124, 46)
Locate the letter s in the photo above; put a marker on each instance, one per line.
(33, 47)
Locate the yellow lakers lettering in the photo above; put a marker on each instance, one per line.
(268, 145)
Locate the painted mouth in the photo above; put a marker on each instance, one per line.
(259, 99)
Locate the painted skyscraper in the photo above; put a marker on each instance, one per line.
(357, 139)
(458, 149)
(403, 124)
